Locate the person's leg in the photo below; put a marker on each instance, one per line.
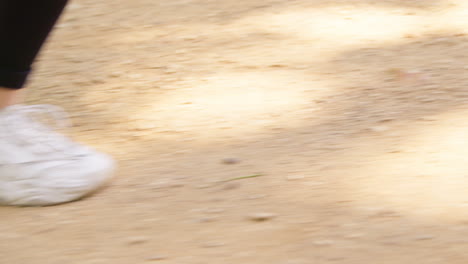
(24, 27)
(38, 166)
(9, 97)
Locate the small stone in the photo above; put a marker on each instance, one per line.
(46, 230)
(425, 118)
(213, 244)
(166, 184)
(277, 66)
(424, 237)
(97, 81)
(181, 152)
(230, 161)
(203, 186)
(261, 217)
(386, 120)
(385, 213)
(115, 74)
(135, 76)
(207, 219)
(323, 242)
(214, 210)
(256, 196)
(231, 186)
(181, 51)
(314, 183)
(379, 128)
(156, 258)
(136, 240)
(158, 185)
(170, 71)
(356, 235)
(294, 177)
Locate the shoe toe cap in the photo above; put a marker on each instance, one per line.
(58, 181)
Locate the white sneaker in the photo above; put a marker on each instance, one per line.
(39, 166)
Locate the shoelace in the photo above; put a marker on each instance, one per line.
(22, 122)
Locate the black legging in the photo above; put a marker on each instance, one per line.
(24, 27)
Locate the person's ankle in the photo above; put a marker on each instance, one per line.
(9, 97)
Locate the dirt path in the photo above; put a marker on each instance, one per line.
(351, 113)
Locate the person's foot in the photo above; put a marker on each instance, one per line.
(39, 166)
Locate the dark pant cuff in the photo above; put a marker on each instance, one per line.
(13, 80)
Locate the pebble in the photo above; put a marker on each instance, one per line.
(278, 66)
(230, 161)
(203, 186)
(294, 177)
(323, 242)
(424, 237)
(379, 128)
(46, 230)
(314, 183)
(213, 244)
(385, 213)
(214, 210)
(356, 235)
(231, 186)
(181, 51)
(136, 240)
(425, 118)
(165, 184)
(135, 76)
(260, 217)
(115, 74)
(158, 185)
(156, 258)
(97, 81)
(207, 219)
(145, 126)
(176, 184)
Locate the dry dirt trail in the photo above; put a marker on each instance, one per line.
(353, 115)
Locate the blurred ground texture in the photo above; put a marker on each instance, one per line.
(354, 113)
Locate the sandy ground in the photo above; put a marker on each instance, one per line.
(350, 116)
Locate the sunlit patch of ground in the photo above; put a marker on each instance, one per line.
(351, 115)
